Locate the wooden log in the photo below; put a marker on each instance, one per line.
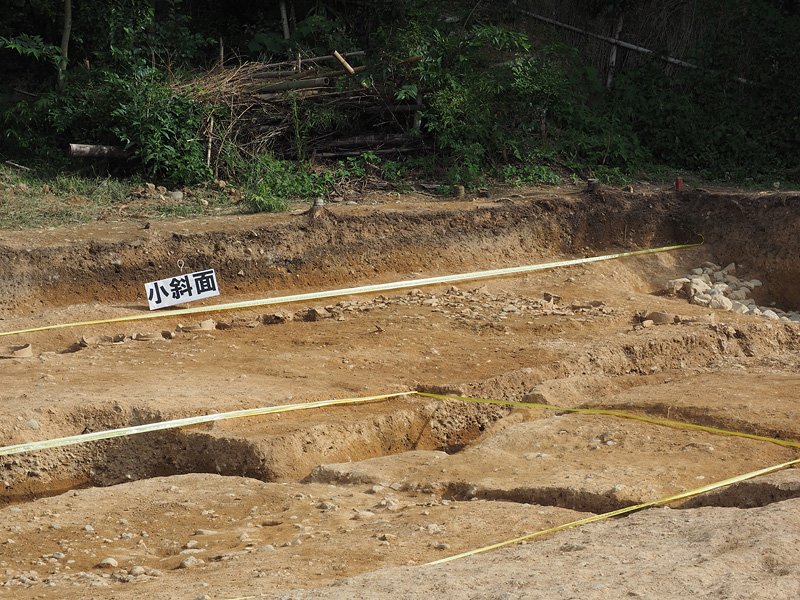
(97, 151)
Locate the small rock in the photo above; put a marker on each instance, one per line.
(317, 313)
(137, 570)
(362, 515)
(721, 302)
(33, 424)
(738, 295)
(292, 543)
(676, 285)
(442, 546)
(191, 561)
(660, 317)
(108, 563)
(280, 316)
(695, 286)
(204, 532)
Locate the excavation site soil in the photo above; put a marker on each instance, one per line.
(369, 499)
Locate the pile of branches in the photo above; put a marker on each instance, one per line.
(301, 109)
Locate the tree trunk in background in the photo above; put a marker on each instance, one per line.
(612, 60)
(62, 65)
(284, 20)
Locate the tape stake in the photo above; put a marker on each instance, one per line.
(366, 289)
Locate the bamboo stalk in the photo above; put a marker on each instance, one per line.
(208, 145)
(298, 84)
(292, 63)
(284, 20)
(347, 66)
(612, 60)
(65, 35)
(373, 139)
(360, 152)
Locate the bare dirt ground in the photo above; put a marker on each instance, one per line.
(354, 501)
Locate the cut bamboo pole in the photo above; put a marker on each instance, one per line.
(347, 66)
(292, 63)
(375, 139)
(298, 84)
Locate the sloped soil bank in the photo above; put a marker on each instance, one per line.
(353, 501)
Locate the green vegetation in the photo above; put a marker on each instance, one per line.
(505, 98)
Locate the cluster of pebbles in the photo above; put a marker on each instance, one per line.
(474, 308)
(713, 286)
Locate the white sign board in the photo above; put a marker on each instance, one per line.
(180, 289)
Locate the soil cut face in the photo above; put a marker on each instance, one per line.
(354, 501)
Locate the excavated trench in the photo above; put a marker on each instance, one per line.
(335, 250)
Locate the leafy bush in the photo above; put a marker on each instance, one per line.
(270, 183)
(160, 126)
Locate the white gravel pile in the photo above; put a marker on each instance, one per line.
(715, 287)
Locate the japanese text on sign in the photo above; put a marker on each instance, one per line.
(183, 288)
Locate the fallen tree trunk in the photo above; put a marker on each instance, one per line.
(97, 151)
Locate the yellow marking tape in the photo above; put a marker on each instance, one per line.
(252, 412)
(379, 287)
(28, 447)
(622, 511)
(614, 413)
(237, 414)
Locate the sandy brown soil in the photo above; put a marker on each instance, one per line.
(353, 501)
